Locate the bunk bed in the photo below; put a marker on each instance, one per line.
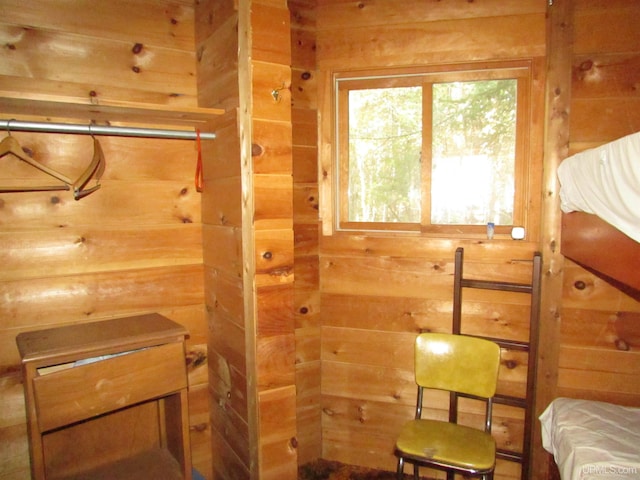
(590, 439)
(600, 201)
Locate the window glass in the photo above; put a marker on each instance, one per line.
(385, 142)
(473, 152)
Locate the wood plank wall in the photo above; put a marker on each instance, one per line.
(271, 154)
(217, 47)
(135, 245)
(557, 99)
(244, 53)
(304, 95)
(378, 291)
(600, 331)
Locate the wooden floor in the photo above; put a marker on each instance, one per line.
(328, 470)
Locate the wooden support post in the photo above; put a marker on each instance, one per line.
(559, 40)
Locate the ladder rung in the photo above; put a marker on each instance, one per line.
(511, 401)
(509, 455)
(504, 343)
(492, 285)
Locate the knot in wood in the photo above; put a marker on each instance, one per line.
(196, 358)
(580, 285)
(622, 345)
(586, 65)
(256, 150)
(511, 364)
(200, 427)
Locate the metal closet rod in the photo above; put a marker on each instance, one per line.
(46, 127)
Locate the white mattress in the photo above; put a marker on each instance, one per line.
(605, 181)
(592, 440)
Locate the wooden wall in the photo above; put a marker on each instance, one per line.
(600, 331)
(139, 244)
(304, 112)
(217, 45)
(378, 291)
(244, 57)
(133, 246)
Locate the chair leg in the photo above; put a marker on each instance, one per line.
(416, 472)
(400, 474)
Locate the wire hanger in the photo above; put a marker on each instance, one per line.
(10, 145)
(94, 170)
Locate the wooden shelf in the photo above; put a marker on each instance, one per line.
(157, 464)
(47, 105)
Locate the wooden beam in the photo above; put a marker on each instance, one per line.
(245, 116)
(559, 39)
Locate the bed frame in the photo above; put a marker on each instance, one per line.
(595, 244)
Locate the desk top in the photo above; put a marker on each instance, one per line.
(74, 342)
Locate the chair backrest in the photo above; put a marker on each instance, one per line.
(457, 363)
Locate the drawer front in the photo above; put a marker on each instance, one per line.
(86, 391)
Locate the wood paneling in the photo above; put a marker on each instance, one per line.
(379, 290)
(135, 245)
(597, 359)
(56, 47)
(362, 42)
(167, 24)
(244, 54)
(305, 225)
(375, 299)
(272, 221)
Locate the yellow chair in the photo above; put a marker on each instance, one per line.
(460, 364)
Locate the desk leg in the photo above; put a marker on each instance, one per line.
(29, 372)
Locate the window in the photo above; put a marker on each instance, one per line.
(442, 152)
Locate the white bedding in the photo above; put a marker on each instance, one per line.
(605, 181)
(592, 440)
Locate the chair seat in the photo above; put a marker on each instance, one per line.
(447, 444)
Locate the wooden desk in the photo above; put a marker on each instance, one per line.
(107, 400)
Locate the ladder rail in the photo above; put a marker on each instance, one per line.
(531, 347)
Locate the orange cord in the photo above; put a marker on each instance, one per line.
(199, 178)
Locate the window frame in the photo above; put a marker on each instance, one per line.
(343, 82)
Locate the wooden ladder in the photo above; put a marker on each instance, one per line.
(531, 347)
